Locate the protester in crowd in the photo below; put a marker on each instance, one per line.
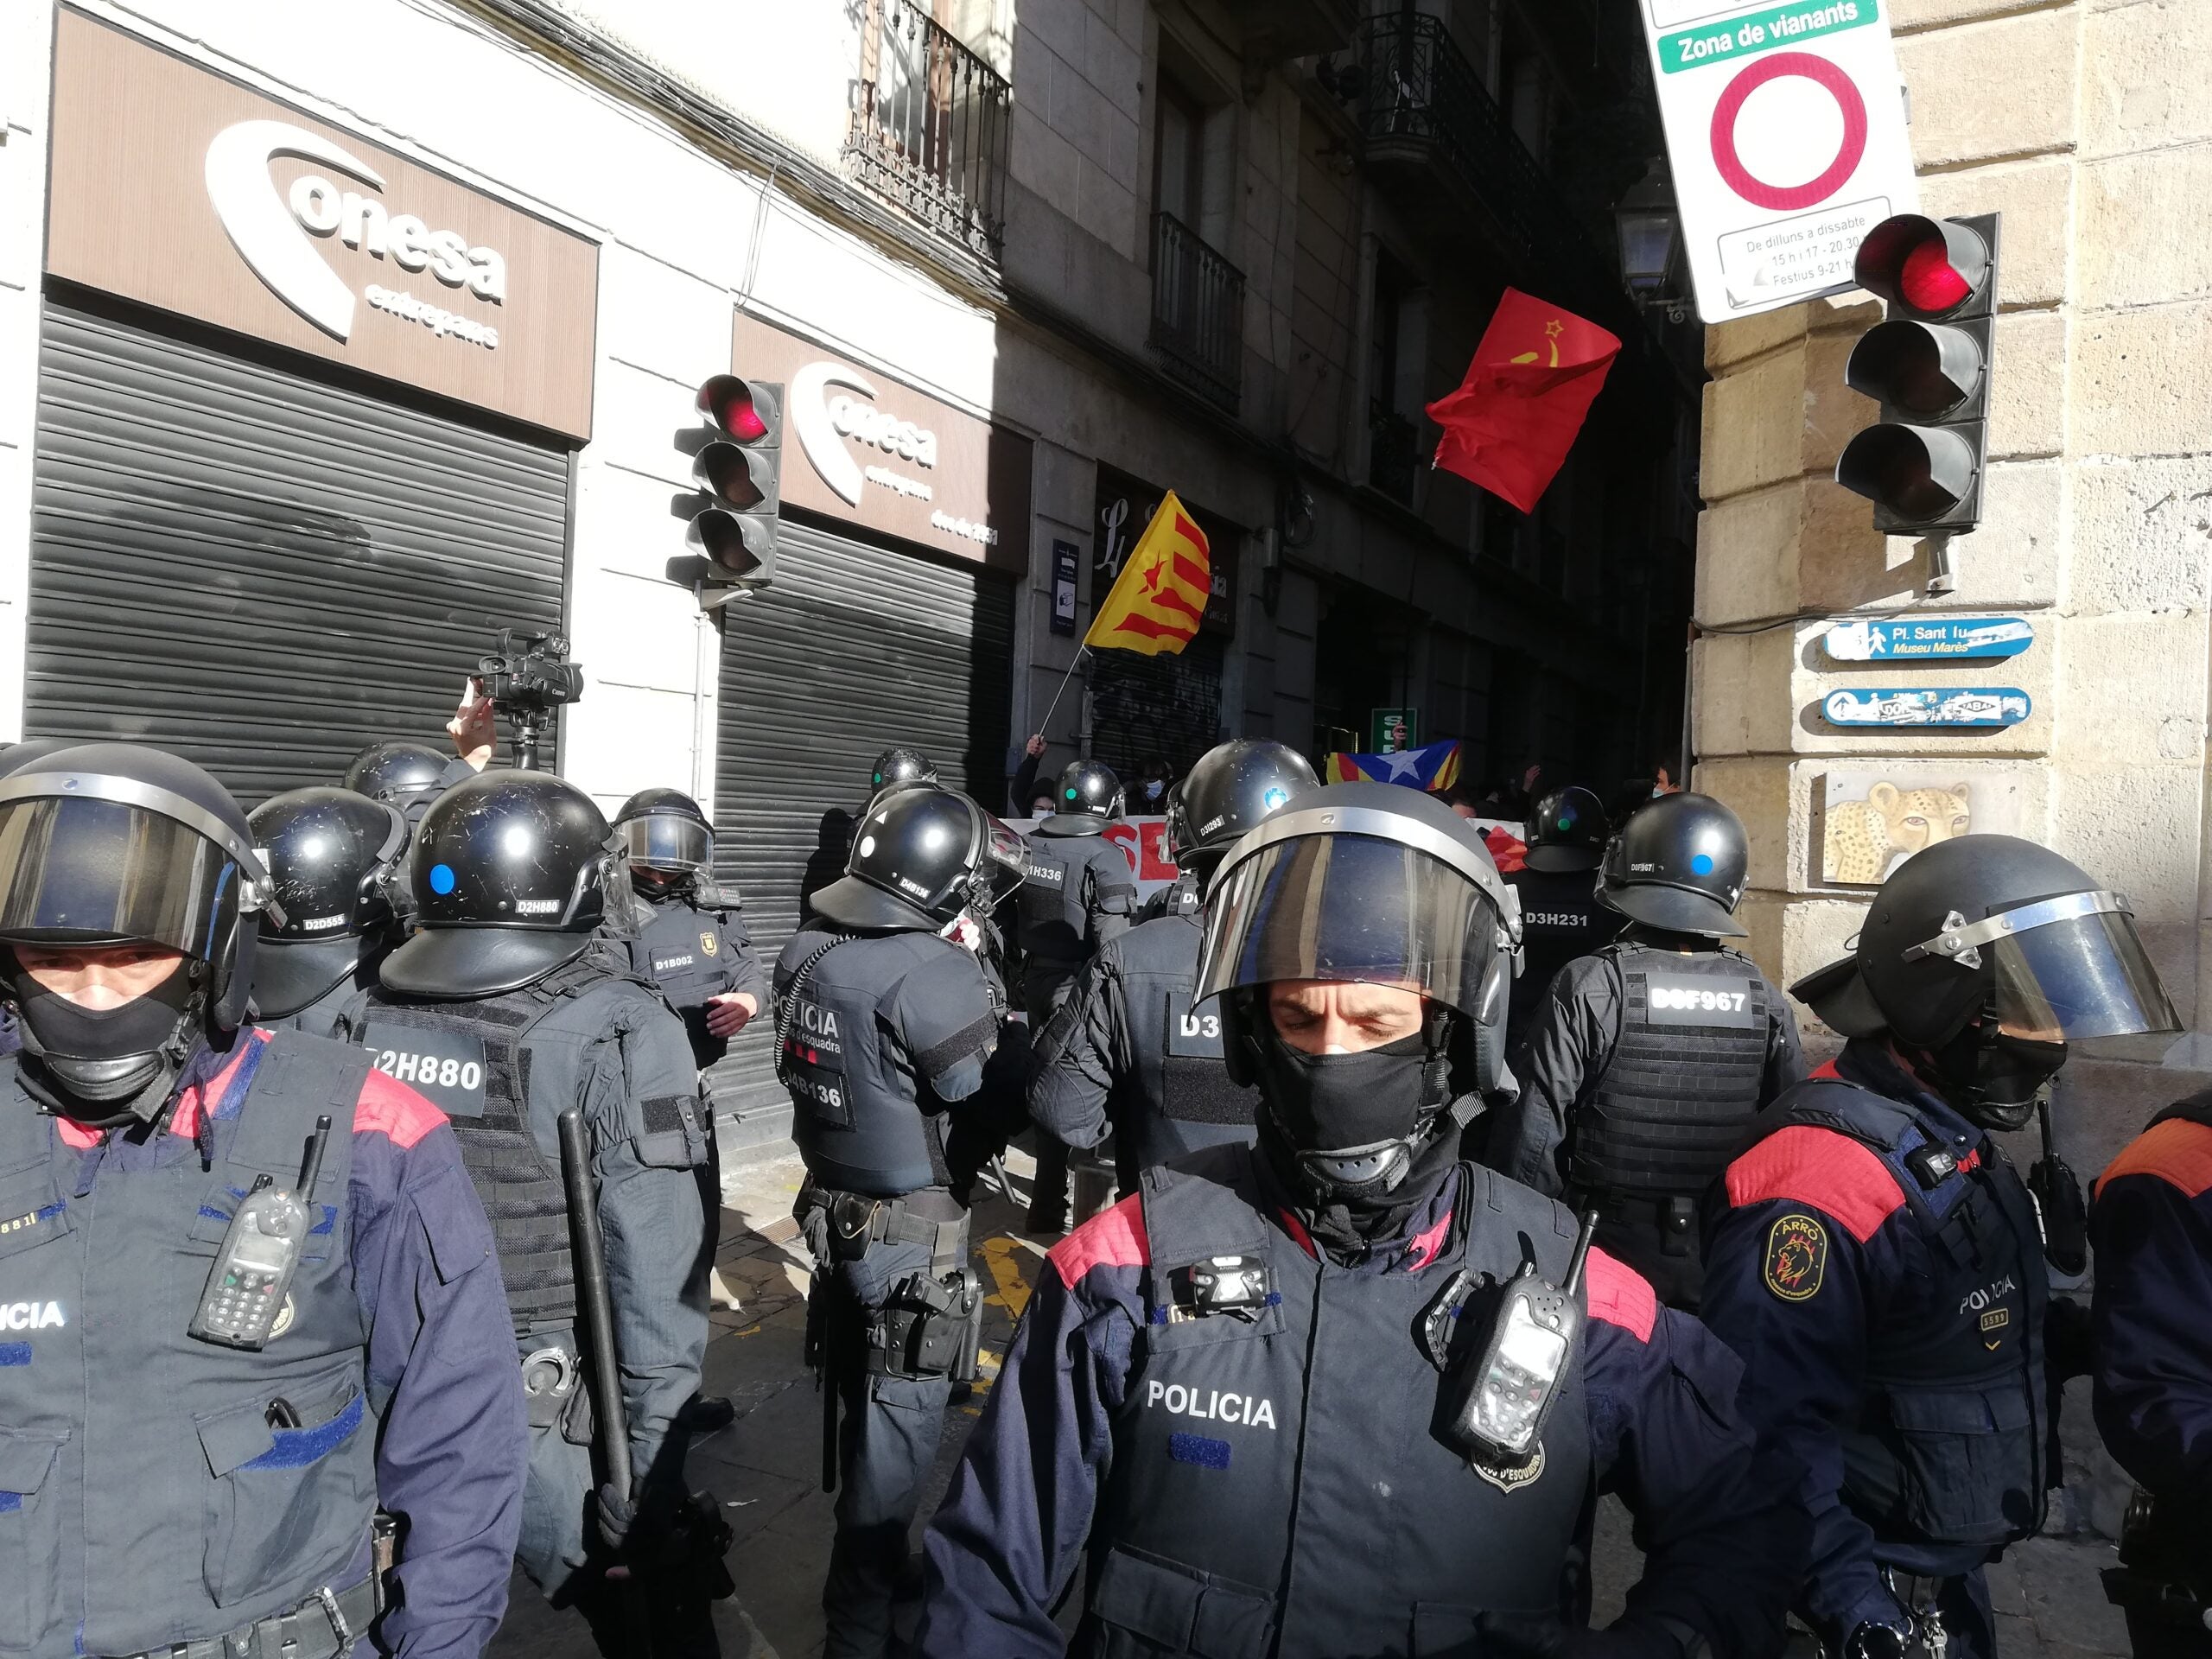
(1148, 794)
(1023, 797)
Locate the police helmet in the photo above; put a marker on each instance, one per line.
(2007, 941)
(335, 858)
(116, 844)
(16, 756)
(1086, 799)
(1566, 832)
(919, 858)
(664, 833)
(396, 772)
(901, 765)
(510, 874)
(1232, 787)
(1678, 865)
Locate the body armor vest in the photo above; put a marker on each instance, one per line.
(1176, 1098)
(1057, 892)
(1277, 1487)
(2197, 1108)
(529, 1045)
(680, 949)
(1679, 1095)
(1953, 1437)
(1560, 921)
(141, 1486)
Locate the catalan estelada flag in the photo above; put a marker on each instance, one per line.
(1534, 377)
(1434, 766)
(1160, 596)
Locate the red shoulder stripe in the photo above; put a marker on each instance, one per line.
(1620, 1295)
(1817, 1166)
(389, 1108)
(1112, 1238)
(2176, 1152)
(1826, 1072)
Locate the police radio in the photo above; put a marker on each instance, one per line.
(261, 1250)
(1496, 1406)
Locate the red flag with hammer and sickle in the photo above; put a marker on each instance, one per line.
(1512, 421)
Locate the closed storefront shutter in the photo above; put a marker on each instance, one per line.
(1165, 705)
(261, 571)
(854, 649)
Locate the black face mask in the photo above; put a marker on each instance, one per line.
(1352, 1123)
(119, 1059)
(1993, 1078)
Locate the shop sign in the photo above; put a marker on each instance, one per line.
(184, 191)
(1066, 557)
(1390, 730)
(863, 447)
(1125, 506)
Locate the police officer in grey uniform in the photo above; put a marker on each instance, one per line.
(1128, 1053)
(336, 858)
(1561, 917)
(1078, 894)
(885, 1025)
(508, 1006)
(1645, 1062)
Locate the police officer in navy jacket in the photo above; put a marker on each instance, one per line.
(1877, 1262)
(1237, 1393)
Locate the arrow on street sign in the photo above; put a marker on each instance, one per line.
(1923, 639)
(1901, 705)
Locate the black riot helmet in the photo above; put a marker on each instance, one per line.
(1566, 832)
(1087, 798)
(665, 836)
(1988, 958)
(16, 756)
(510, 874)
(1232, 787)
(115, 843)
(1678, 865)
(901, 765)
(1372, 882)
(396, 772)
(919, 858)
(335, 858)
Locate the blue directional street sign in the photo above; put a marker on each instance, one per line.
(1904, 705)
(1916, 639)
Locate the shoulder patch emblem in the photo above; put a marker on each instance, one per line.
(1511, 1480)
(1797, 1257)
(709, 943)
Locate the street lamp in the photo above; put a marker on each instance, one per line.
(1649, 228)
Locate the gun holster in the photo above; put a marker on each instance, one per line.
(928, 1327)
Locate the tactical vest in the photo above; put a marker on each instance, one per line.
(504, 1069)
(856, 1100)
(1056, 896)
(1178, 1097)
(142, 1487)
(680, 949)
(1954, 1437)
(1683, 1085)
(1560, 921)
(1276, 1487)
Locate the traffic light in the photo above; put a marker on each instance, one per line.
(1927, 365)
(739, 471)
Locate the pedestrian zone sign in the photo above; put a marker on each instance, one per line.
(1786, 137)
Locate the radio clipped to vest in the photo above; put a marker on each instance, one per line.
(2059, 1204)
(253, 1275)
(1496, 1402)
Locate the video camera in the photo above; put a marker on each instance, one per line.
(527, 679)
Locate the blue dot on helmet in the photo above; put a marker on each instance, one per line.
(441, 878)
(1702, 864)
(1274, 797)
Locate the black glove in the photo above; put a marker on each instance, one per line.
(616, 1516)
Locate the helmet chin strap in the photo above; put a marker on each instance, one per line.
(112, 1090)
(1993, 1079)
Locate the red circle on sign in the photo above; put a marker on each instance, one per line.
(1757, 191)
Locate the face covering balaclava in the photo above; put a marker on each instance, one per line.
(108, 1067)
(1992, 1078)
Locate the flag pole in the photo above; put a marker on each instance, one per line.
(1045, 726)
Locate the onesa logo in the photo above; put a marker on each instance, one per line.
(271, 231)
(824, 422)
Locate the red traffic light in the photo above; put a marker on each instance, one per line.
(746, 412)
(1919, 474)
(1927, 267)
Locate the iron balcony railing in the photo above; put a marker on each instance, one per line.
(930, 130)
(1197, 310)
(1393, 457)
(1420, 86)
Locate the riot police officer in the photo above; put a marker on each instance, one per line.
(510, 1006)
(1560, 918)
(1645, 1062)
(336, 858)
(885, 1025)
(252, 1294)
(1260, 1398)
(896, 767)
(410, 776)
(1129, 1053)
(14, 757)
(692, 940)
(1877, 1263)
(2151, 1226)
(1080, 893)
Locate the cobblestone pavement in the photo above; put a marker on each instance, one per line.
(767, 1467)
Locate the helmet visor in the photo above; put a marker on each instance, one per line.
(663, 842)
(1006, 862)
(2087, 982)
(80, 870)
(1349, 907)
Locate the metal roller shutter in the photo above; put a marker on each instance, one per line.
(854, 649)
(1165, 705)
(261, 572)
